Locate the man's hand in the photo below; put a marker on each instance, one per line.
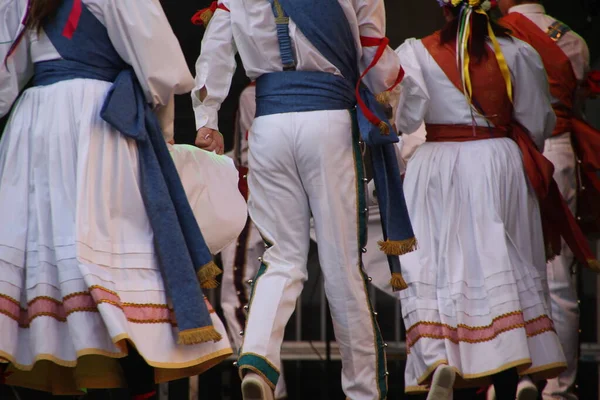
(210, 140)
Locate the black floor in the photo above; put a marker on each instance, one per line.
(305, 380)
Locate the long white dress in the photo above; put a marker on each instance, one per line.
(477, 295)
(78, 272)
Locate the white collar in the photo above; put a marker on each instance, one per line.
(529, 8)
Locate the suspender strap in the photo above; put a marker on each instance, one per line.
(283, 36)
(557, 30)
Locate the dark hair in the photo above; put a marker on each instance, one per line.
(38, 11)
(479, 33)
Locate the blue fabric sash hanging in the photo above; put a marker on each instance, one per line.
(325, 25)
(183, 255)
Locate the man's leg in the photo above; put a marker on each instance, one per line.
(279, 208)
(561, 279)
(240, 266)
(330, 164)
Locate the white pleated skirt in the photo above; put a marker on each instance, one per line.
(78, 272)
(477, 295)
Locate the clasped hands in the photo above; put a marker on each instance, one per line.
(210, 140)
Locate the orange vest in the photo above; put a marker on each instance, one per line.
(491, 98)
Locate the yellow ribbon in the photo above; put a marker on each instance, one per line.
(501, 60)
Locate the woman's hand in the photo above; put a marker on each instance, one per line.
(210, 140)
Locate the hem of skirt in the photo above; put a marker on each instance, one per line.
(513, 364)
(161, 376)
(416, 389)
(103, 353)
(542, 372)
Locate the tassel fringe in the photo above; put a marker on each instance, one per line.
(550, 253)
(207, 274)
(398, 283)
(210, 284)
(383, 98)
(205, 16)
(199, 335)
(594, 265)
(385, 129)
(398, 247)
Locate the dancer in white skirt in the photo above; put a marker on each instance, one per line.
(476, 309)
(80, 285)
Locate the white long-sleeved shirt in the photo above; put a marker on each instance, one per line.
(139, 31)
(429, 96)
(249, 27)
(571, 43)
(245, 117)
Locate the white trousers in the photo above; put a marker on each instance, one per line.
(561, 278)
(240, 265)
(303, 164)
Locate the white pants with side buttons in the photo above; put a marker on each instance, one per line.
(240, 265)
(561, 279)
(302, 164)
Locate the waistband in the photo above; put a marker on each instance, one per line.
(464, 133)
(302, 91)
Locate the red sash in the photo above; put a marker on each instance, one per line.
(557, 219)
(563, 86)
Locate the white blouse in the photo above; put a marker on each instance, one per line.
(139, 31)
(427, 95)
(249, 28)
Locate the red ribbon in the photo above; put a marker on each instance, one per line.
(144, 396)
(3, 377)
(73, 21)
(593, 82)
(381, 44)
(214, 6)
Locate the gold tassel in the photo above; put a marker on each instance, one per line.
(199, 335)
(550, 253)
(398, 247)
(594, 265)
(383, 98)
(398, 283)
(385, 129)
(210, 284)
(207, 274)
(206, 16)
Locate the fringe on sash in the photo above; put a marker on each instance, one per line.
(383, 98)
(384, 128)
(199, 335)
(207, 274)
(594, 265)
(398, 247)
(550, 253)
(398, 283)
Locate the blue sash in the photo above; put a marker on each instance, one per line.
(325, 25)
(182, 252)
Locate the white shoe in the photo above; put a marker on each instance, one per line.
(527, 390)
(254, 387)
(442, 383)
(491, 393)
